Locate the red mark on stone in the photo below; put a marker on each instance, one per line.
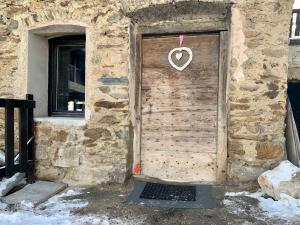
(137, 169)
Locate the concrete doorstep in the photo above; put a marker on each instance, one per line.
(34, 194)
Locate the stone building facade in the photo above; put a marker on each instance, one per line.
(99, 148)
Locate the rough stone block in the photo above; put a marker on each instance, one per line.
(67, 157)
(110, 105)
(110, 80)
(267, 151)
(49, 172)
(283, 179)
(240, 172)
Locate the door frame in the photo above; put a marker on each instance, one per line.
(135, 98)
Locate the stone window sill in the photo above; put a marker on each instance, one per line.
(63, 121)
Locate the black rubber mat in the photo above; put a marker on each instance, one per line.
(171, 195)
(169, 192)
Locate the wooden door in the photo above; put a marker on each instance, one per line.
(179, 109)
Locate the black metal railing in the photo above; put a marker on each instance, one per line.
(26, 137)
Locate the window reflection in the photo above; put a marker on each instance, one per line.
(71, 79)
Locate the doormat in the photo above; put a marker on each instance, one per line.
(171, 196)
(169, 192)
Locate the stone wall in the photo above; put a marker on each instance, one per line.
(95, 149)
(257, 90)
(98, 148)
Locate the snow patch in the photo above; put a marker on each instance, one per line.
(69, 193)
(58, 210)
(25, 204)
(284, 172)
(5, 181)
(3, 206)
(234, 194)
(6, 184)
(287, 208)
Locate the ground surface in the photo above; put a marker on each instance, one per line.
(107, 205)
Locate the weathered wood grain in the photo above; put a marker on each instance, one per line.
(176, 144)
(182, 107)
(205, 57)
(179, 166)
(179, 110)
(182, 118)
(176, 133)
(222, 110)
(165, 96)
(154, 77)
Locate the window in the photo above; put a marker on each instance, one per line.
(295, 28)
(67, 76)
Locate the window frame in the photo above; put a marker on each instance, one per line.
(54, 43)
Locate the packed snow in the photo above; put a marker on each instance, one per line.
(5, 181)
(58, 210)
(6, 184)
(284, 172)
(287, 208)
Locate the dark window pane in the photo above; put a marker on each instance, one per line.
(67, 76)
(70, 78)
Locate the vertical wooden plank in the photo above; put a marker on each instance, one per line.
(138, 100)
(23, 135)
(222, 110)
(132, 94)
(9, 139)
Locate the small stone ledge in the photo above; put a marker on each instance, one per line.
(62, 121)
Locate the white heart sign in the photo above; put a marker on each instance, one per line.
(178, 56)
